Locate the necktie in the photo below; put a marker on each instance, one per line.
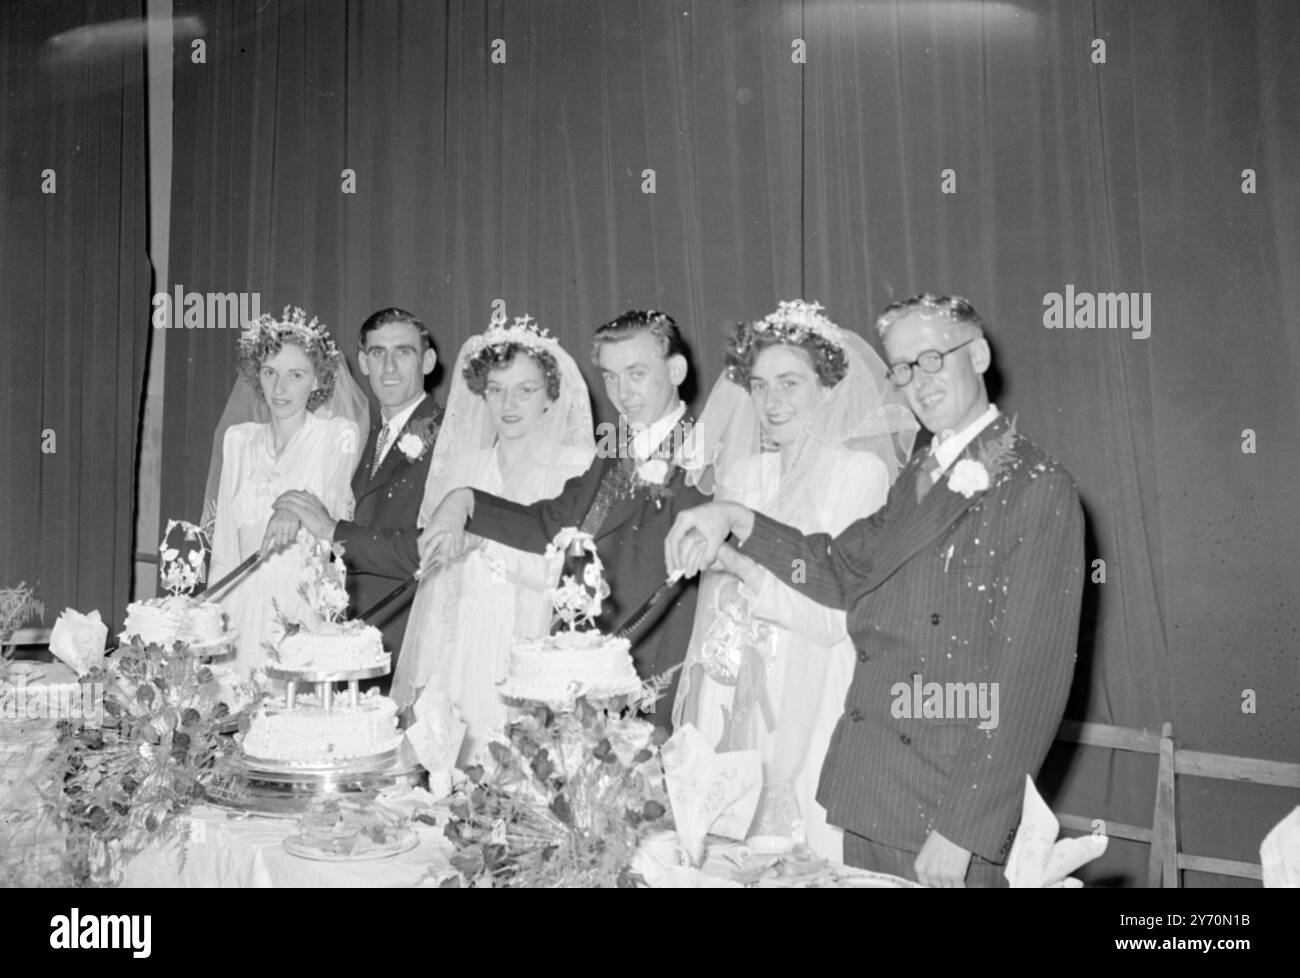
(380, 444)
(925, 478)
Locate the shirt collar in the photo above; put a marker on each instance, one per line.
(645, 441)
(398, 421)
(947, 450)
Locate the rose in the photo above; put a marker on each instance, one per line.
(78, 640)
(654, 470)
(968, 477)
(411, 445)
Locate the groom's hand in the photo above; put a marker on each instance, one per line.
(941, 863)
(698, 533)
(310, 510)
(443, 539)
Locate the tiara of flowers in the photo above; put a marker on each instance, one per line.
(795, 320)
(313, 334)
(523, 331)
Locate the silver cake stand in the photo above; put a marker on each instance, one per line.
(275, 787)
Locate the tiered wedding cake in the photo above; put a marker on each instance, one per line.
(320, 730)
(334, 647)
(572, 663)
(311, 734)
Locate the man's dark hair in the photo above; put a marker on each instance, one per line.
(660, 325)
(386, 317)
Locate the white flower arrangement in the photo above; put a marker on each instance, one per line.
(577, 601)
(523, 330)
(652, 471)
(325, 586)
(411, 445)
(797, 317)
(180, 575)
(968, 477)
(313, 333)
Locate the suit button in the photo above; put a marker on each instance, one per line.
(855, 716)
(905, 738)
(934, 618)
(862, 656)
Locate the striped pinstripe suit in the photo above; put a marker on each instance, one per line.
(984, 589)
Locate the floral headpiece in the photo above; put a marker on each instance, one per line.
(182, 560)
(313, 334)
(523, 331)
(795, 320)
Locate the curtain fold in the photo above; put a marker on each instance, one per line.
(74, 302)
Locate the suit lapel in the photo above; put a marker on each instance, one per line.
(633, 500)
(394, 458)
(917, 525)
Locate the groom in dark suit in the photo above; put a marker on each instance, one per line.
(963, 595)
(626, 499)
(380, 542)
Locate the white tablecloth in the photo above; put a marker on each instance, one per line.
(222, 851)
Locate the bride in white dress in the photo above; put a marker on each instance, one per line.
(305, 415)
(518, 424)
(801, 426)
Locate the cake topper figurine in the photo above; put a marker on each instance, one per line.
(577, 601)
(184, 551)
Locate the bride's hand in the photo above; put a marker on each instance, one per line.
(280, 531)
(443, 539)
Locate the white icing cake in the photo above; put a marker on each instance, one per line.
(309, 735)
(333, 647)
(165, 621)
(558, 667)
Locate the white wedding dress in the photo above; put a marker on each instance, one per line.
(807, 653)
(767, 668)
(465, 617)
(319, 458)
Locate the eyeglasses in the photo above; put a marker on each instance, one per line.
(522, 394)
(931, 361)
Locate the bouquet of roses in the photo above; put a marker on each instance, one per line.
(122, 783)
(570, 798)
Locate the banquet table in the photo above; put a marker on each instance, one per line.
(216, 848)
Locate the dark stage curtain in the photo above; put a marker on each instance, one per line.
(74, 301)
(525, 181)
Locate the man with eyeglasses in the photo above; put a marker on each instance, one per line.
(963, 592)
(380, 543)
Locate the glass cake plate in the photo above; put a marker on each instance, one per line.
(247, 791)
(296, 846)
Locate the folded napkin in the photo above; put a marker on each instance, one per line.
(709, 792)
(1279, 853)
(436, 737)
(1037, 858)
(78, 640)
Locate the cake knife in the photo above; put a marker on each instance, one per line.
(390, 597)
(638, 618)
(248, 562)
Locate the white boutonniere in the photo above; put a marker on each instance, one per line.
(968, 477)
(411, 445)
(652, 471)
